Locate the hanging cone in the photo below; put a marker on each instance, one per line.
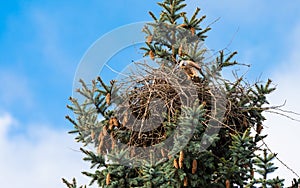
(193, 31)
(149, 39)
(181, 157)
(113, 122)
(227, 184)
(110, 124)
(151, 54)
(108, 179)
(185, 182)
(175, 163)
(194, 166)
(107, 98)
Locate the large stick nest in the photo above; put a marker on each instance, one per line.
(152, 101)
(149, 104)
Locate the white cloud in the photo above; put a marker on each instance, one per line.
(39, 159)
(284, 133)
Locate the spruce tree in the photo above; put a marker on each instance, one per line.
(193, 145)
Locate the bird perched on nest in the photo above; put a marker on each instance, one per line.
(191, 69)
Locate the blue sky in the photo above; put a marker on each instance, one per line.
(42, 42)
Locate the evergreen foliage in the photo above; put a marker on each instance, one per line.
(233, 157)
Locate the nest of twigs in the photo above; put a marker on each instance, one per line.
(150, 101)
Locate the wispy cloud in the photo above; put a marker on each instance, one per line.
(39, 159)
(283, 133)
(270, 41)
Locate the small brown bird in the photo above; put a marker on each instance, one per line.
(190, 68)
